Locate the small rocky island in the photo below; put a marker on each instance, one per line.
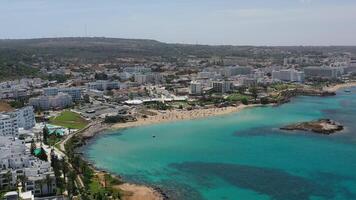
(321, 126)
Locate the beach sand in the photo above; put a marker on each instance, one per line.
(175, 115)
(334, 88)
(138, 192)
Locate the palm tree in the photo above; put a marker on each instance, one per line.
(254, 92)
(64, 168)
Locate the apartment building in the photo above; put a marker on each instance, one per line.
(288, 75)
(75, 93)
(103, 85)
(60, 101)
(10, 122)
(196, 88)
(323, 72)
(221, 86)
(16, 160)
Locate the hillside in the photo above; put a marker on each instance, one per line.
(18, 55)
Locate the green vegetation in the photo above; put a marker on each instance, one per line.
(11, 71)
(69, 119)
(238, 97)
(53, 139)
(283, 86)
(114, 119)
(96, 185)
(103, 185)
(158, 105)
(50, 139)
(264, 100)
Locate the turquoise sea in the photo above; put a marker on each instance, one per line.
(242, 155)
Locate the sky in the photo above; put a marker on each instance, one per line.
(216, 22)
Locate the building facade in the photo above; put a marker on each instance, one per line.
(60, 101)
(196, 88)
(289, 75)
(75, 93)
(16, 160)
(221, 86)
(323, 72)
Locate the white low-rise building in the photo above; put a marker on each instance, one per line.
(148, 78)
(103, 85)
(8, 125)
(16, 161)
(25, 117)
(10, 122)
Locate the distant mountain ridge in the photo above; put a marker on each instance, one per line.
(75, 41)
(146, 47)
(18, 55)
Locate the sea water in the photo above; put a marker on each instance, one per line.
(242, 155)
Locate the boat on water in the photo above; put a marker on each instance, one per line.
(347, 91)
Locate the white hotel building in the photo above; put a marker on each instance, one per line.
(196, 88)
(10, 122)
(75, 93)
(289, 75)
(60, 101)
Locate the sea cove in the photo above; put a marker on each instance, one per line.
(242, 155)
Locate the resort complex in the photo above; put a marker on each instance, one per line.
(44, 121)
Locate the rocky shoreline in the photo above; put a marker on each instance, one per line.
(321, 126)
(287, 95)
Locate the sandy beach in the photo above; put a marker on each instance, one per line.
(334, 88)
(175, 115)
(139, 192)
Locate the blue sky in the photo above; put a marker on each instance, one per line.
(236, 22)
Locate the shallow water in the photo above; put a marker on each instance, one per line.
(242, 155)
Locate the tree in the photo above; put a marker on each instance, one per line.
(242, 89)
(244, 101)
(42, 155)
(64, 166)
(45, 133)
(70, 184)
(264, 100)
(254, 92)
